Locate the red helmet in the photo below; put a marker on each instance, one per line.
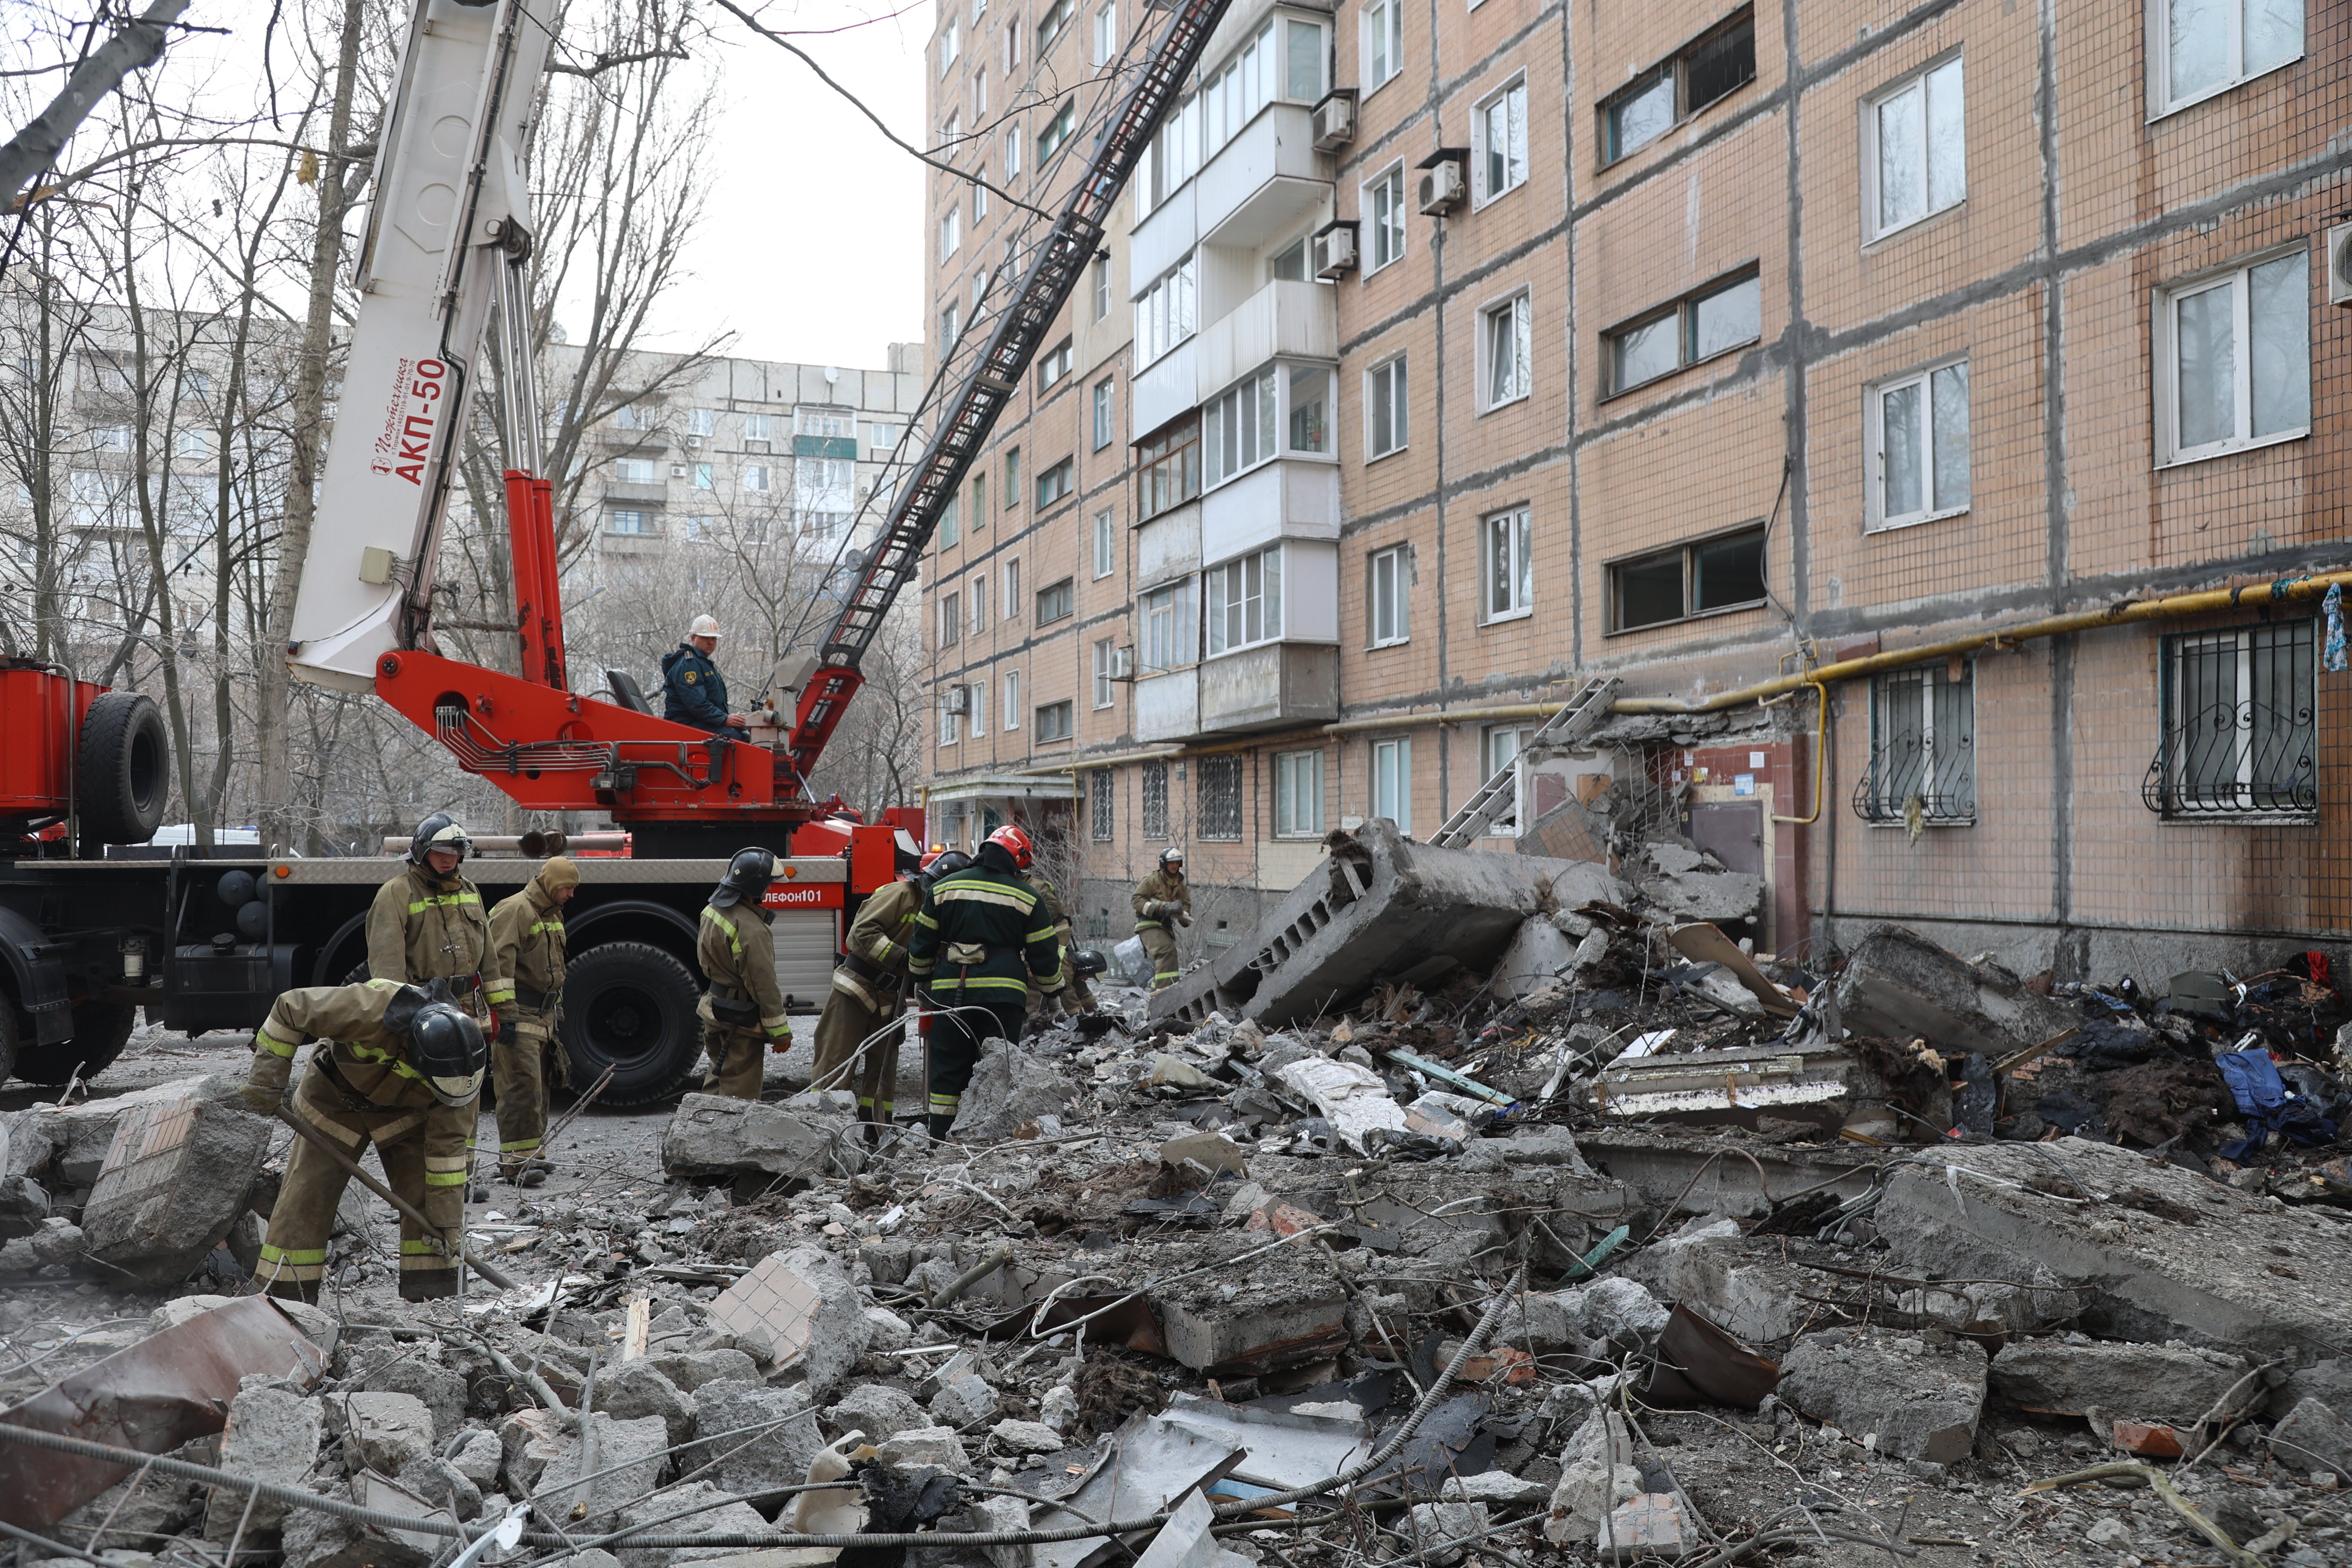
(1016, 843)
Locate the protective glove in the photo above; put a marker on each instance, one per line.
(506, 1031)
(265, 1085)
(1184, 920)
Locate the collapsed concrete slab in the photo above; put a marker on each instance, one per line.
(1009, 1087)
(1900, 984)
(2156, 1252)
(2077, 1377)
(713, 1135)
(174, 1182)
(1745, 1287)
(1912, 1395)
(1381, 907)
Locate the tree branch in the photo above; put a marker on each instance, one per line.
(36, 146)
(604, 63)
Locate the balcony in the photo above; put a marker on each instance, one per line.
(1264, 183)
(1168, 707)
(1162, 239)
(1270, 685)
(1289, 498)
(1168, 387)
(1168, 546)
(1283, 319)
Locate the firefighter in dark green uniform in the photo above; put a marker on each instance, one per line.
(979, 943)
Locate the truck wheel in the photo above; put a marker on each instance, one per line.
(630, 1006)
(100, 1030)
(123, 775)
(12, 1032)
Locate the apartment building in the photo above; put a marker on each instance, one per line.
(1457, 353)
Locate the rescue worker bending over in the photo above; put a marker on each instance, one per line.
(429, 922)
(869, 995)
(1074, 996)
(694, 692)
(401, 1068)
(743, 1011)
(978, 943)
(1163, 900)
(527, 947)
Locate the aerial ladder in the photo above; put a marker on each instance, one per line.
(450, 235)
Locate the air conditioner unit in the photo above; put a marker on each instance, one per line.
(958, 699)
(677, 471)
(1334, 249)
(2339, 265)
(1122, 663)
(1442, 185)
(694, 443)
(1335, 118)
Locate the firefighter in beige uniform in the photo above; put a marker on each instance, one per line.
(869, 993)
(1162, 900)
(743, 1010)
(526, 948)
(429, 922)
(401, 1067)
(1072, 996)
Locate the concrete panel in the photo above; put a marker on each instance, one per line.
(1160, 241)
(1168, 707)
(1265, 181)
(1283, 319)
(1290, 497)
(1274, 683)
(1168, 387)
(1168, 546)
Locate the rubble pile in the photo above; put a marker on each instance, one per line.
(1619, 1242)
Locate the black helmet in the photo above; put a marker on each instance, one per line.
(1172, 855)
(748, 876)
(445, 1043)
(438, 831)
(943, 865)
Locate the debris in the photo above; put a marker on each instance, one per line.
(1350, 1098)
(1896, 1393)
(1685, 883)
(174, 1182)
(2151, 1441)
(1213, 1152)
(1705, 943)
(1281, 1449)
(1595, 1476)
(1444, 1532)
(1820, 1085)
(802, 1309)
(784, 1438)
(1536, 956)
(1147, 1463)
(2074, 1376)
(924, 1446)
(2312, 1437)
(715, 1135)
(1699, 1364)
(1009, 1086)
(636, 1389)
(877, 1410)
(273, 1434)
(1898, 982)
(385, 1431)
(1649, 1524)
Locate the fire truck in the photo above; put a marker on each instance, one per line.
(90, 938)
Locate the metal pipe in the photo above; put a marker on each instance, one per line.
(531, 844)
(1820, 759)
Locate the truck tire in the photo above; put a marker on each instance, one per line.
(12, 1034)
(123, 774)
(630, 1006)
(100, 1030)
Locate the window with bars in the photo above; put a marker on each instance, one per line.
(1923, 765)
(1101, 796)
(1155, 801)
(2241, 724)
(1221, 798)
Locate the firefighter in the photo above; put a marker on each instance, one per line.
(693, 692)
(429, 923)
(978, 943)
(862, 1010)
(1161, 899)
(743, 1011)
(526, 948)
(1073, 997)
(401, 1067)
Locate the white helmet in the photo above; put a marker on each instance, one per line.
(704, 626)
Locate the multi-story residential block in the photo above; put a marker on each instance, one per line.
(1448, 353)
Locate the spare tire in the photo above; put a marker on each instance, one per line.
(123, 775)
(630, 1006)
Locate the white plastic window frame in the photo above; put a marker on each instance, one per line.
(1516, 531)
(2160, 101)
(1872, 231)
(1399, 557)
(1291, 792)
(1874, 416)
(2165, 335)
(1519, 302)
(1387, 14)
(1399, 409)
(1390, 179)
(1480, 196)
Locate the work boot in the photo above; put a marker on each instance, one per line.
(874, 1134)
(939, 1127)
(526, 1172)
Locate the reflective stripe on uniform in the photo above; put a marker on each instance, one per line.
(945, 1104)
(1150, 925)
(444, 1178)
(978, 982)
(263, 1040)
(442, 901)
(501, 994)
(294, 1255)
(952, 892)
(723, 923)
(544, 926)
(519, 1146)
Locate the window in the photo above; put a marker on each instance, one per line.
(634, 471)
(1288, 265)
(1055, 366)
(2233, 360)
(1298, 794)
(1505, 352)
(947, 721)
(976, 702)
(703, 479)
(1172, 156)
(1721, 573)
(1384, 408)
(1105, 541)
(2239, 724)
(755, 427)
(1164, 315)
(1100, 273)
(950, 324)
(1498, 137)
(978, 502)
(1013, 153)
(1052, 24)
(1240, 424)
(697, 527)
(952, 131)
(1221, 797)
(1012, 46)
(980, 175)
(195, 445)
(1106, 655)
(1258, 73)
(1384, 201)
(950, 233)
(1385, 583)
(1155, 801)
(1168, 626)
(951, 619)
(1101, 786)
(1310, 409)
(950, 524)
(1922, 748)
(1011, 478)
(1919, 447)
(2200, 47)
(1012, 611)
(1504, 542)
(1106, 35)
(1392, 782)
(950, 44)
(1715, 320)
(1057, 482)
(979, 603)
(1383, 41)
(1102, 413)
(1058, 601)
(628, 520)
(1012, 699)
(1168, 468)
(1245, 601)
(635, 416)
(1057, 721)
(1915, 159)
(755, 476)
(1304, 56)
(701, 421)
(1057, 130)
(1700, 74)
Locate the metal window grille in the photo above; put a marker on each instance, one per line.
(1221, 798)
(1099, 803)
(2241, 724)
(1923, 749)
(1155, 800)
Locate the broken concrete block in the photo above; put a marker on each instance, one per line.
(139, 1514)
(999, 1513)
(387, 1430)
(1619, 1311)
(925, 1446)
(802, 1309)
(315, 1540)
(890, 1331)
(1213, 1151)
(1899, 983)
(1595, 1475)
(1352, 1099)
(966, 1402)
(634, 1390)
(1059, 1407)
(877, 1410)
(439, 1481)
(714, 1135)
(401, 1369)
(1818, 1084)
(1748, 1291)
(1009, 1086)
(273, 1435)
(479, 1458)
(1264, 1327)
(173, 1184)
(1893, 1393)
(622, 1459)
(180, 1309)
(730, 1519)
(1543, 1323)
(690, 1370)
(1649, 1526)
(1496, 1488)
(779, 1458)
(1538, 954)
(57, 1241)
(1686, 884)
(1444, 1532)
(532, 1441)
(2328, 1380)
(2312, 1437)
(2073, 1377)
(1027, 1437)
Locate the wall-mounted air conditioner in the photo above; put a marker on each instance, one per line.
(1335, 118)
(1334, 249)
(1122, 663)
(677, 471)
(2339, 265)
(1444, 180)
(958, 700)
(694, 443)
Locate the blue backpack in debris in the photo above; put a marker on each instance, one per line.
(2266, 1106)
